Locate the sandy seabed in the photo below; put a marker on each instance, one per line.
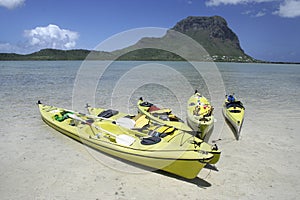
(38, 162)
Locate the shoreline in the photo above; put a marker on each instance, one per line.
(85, 54)
(262, 62)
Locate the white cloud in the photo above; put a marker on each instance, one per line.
(51, 36)
(233, 2)
(7, 48)
(260, 14)
(247, 12)
(13, 48)
(225, 2)
(11, 4)
(289, 8)
(254, 13)
(286, 8)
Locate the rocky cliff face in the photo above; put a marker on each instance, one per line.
(212, 33)
(217, 27)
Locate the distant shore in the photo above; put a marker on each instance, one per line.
(82, 54)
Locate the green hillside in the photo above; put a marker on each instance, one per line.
(212, 33)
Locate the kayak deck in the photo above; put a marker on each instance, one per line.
(200, 115)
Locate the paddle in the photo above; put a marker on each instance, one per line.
(125, 140)
(163, 124)
(124, 122)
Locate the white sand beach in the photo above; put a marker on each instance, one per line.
(38, 162)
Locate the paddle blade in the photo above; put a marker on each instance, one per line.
(126, 122)
(125, 140)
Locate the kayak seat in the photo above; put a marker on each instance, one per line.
(108, 113)
(146, 104)
(234, 111)
(161, 131)
(150, 140)
(235, 104)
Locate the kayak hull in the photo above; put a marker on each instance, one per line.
(203, 147)
(184, 161)
(234, 113)
(204, 129)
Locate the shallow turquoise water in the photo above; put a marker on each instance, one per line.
(261, 85)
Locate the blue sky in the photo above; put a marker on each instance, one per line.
(267, 29)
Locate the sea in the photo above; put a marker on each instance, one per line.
(263, 88)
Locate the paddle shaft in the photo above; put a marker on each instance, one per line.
(148, 114)
(120, 139)
(91, 116)
(91, 124)
(164, 124)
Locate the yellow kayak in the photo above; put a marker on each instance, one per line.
(179, 155)
(161, 115)
(148, 127)
(234, 112)
(200, 115)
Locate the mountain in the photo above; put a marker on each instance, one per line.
(213, 34)
(193, 38)
(218, 41)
